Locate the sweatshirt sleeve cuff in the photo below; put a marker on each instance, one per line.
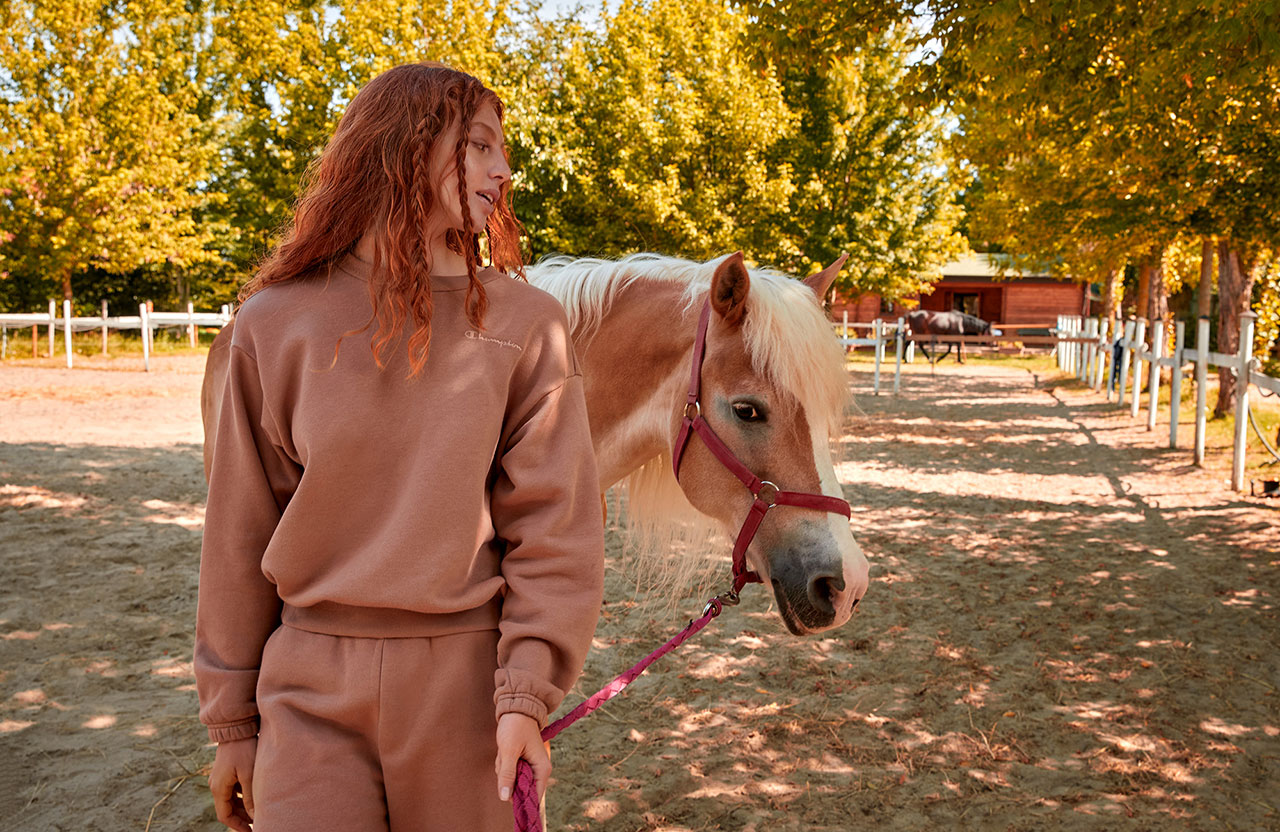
(520, 692)
(234, 731)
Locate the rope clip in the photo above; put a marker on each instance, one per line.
(724, 599)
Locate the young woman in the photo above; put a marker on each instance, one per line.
(403, 546)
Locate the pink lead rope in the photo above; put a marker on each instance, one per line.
(767, 495)
(524, 801)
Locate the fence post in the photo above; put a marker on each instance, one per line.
(146, 336)
(1064, 348)
(191, 326)
(1073, 329)
(1245, 357)
(1153, 374)
(1175, 392)
(104, 327)
(1082, 331)
(1057, 349)
(53, 323)
(1095, 332)
(1126, 359)
(4, 342)
(1090, 351)
(875, 333)
(1109, 361)
(1139, 340)
(1202, 381)
(66, 329)
(1070, 346)
(844, 332)
(897, 363)
(1124, 362)
(1101, 352)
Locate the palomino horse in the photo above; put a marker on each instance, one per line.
(773, 388)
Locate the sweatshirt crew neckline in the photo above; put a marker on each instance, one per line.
(360, 269)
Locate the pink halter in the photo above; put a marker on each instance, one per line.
(766, 494)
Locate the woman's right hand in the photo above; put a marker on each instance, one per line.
(231, 782)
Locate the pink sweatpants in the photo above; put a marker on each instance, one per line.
(377, 734)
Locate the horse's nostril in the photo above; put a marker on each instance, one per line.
(855, 603)
(823, 590)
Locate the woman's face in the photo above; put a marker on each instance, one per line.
(487, 173)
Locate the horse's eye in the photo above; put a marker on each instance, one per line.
(747, 412)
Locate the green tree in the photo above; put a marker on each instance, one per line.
(872, 175)
(103, 154)
(287, 68)
(1102, 133)
(1266, 303)
(658, 134)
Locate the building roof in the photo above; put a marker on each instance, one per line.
(985, 265)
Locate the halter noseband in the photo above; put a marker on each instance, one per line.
(766, 494)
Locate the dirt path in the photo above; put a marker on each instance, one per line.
(1066, 629)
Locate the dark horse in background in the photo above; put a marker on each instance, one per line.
(928, 322)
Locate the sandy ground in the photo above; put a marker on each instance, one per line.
(1067, 629)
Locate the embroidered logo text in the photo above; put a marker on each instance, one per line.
(473, 335)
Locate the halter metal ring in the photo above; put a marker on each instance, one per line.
(768, 494)
(692, 410)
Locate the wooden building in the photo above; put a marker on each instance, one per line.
(970, 285)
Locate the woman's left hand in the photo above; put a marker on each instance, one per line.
(519, 736)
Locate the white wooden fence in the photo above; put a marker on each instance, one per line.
(1087, 350)
(146, 321)
(881, 334)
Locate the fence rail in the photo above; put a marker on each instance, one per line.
(146, 320)
(1086, 350)
(881, 333)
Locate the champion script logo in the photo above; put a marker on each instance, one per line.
(472, 335)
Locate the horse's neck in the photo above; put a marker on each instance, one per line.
(635, 370)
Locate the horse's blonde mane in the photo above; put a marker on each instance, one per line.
(789, 341)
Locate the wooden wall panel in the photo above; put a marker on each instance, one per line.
(1012, 303)
(1042, 302)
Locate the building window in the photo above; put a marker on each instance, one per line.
(966, 303)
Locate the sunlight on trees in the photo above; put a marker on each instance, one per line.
(157, 147)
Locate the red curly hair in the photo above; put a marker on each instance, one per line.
(375, 175)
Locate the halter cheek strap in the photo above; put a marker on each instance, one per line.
(766, 495)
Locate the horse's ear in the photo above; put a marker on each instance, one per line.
(821, 281)
(729, 287)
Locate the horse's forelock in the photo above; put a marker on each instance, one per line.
(790, 340)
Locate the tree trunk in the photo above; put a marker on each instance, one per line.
(1204, 292)
(1144, 290)
(1235, 292)
(1110, 299)
(66, 283)
(1159, 309)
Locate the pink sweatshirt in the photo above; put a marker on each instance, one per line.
(357, 502)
